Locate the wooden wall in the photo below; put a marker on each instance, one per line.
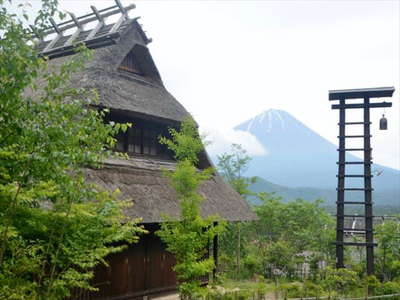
(142, 269)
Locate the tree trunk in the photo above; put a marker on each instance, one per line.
(383, 265)
(238, 251)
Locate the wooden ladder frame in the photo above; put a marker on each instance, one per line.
(342, 96)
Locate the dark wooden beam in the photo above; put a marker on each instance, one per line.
(356, 244)
(340, 194)
(88, 18)
(354, 202)
(363, 105)
(361, 93)
(356, 189)
(354, 216)
(353, 162)
(355, 175)
(55, 26)
(354, 123)
(121, 7)
(76, 33)
(369, 238)
(351, 149)
(97, 13)
(99, 25)
(355, 229)
(215, 252)
(92, 44)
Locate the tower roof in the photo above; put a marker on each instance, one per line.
(361, 93)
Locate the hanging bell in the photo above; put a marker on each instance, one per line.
(383, 123)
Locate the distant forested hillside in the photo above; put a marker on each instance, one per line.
(381, 199)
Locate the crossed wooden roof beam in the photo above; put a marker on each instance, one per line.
(92, 39)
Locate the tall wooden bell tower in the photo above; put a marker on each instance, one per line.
(366, 191)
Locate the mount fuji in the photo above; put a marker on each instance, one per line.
(297, 156)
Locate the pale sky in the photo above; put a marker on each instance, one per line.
(227, 61)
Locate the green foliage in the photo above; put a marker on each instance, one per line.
(371, 284)
(289, 234)
(388, 252)
(232, 167)
(291, 289)
(234, 290)
(184, 143)
(280, 255)
(303, 224)
(188, 238)
(389, 287)
(252, 264)
(341, 281)
(54, 226)
(311, 289)
(300, 290)
(287, 229)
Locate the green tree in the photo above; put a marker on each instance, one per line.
(371, 284)
(280, 256)
(388, 252)
(188, 238)
(303, 225)
(341, 281)
(232, 166)
(54, 226)
(270, 212)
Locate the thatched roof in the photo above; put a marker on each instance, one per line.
(120, 90)
(138, 179)
(141, 181)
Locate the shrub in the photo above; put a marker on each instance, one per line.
(311, 289)
(389, 287)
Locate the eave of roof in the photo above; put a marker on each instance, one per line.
(141, 181)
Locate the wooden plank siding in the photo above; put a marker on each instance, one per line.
(142, 269)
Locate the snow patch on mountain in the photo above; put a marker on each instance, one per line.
(270, 117)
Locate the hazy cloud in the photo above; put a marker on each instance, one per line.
(221, 142)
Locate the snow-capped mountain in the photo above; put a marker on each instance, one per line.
(296, 156)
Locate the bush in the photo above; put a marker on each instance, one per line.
(389, 287)
(290, 290)
(311, 289)
(251, 265)
(225, 293)
(227, 290)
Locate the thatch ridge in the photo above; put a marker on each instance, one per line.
(123, 91)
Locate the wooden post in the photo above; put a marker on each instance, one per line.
(369, 239)
(215, 253)
(340, 195)
(238, 252)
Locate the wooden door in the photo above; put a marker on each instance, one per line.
(159, 273)
(143, 267)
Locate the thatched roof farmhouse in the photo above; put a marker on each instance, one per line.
(129, 84)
